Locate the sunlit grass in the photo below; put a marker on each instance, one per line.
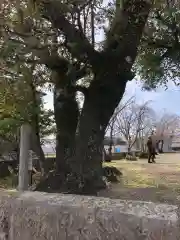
(162, 178)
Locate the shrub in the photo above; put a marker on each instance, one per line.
(137, 154)
(4, 170)
(131, 158)
(118, 156)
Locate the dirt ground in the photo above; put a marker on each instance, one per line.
(158, 182)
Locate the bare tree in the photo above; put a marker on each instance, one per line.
(132, 122)
(167, 125)
(111, 128)
(146, 129)
(143, 135)
(135, 123)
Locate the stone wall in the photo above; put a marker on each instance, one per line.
(41, 216)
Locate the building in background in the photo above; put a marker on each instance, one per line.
(176, 143)
(170, 142)
(118, 145)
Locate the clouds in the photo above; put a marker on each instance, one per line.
(161, 99)
(135, 89)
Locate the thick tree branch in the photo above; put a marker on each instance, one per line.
(77, 41)
(8, 72)
(81, 72)
(82, 89)
(126, 30)
(157, 43)
(60, 65)
(36, 46)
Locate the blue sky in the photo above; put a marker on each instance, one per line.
(162, 100)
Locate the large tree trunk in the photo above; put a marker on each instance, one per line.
(66, 117)
(35, 124)
(37, 148)
(99, 106)
(36, 143)
(111, 142)
(82, 172)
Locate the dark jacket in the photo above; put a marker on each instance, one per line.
(149, 145)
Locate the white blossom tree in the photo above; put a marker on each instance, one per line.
(133, 122)
(166, 126)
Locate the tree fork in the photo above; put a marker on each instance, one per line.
(106, 89)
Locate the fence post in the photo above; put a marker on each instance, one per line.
(24, 157)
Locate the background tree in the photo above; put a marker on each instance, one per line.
(131, 122)
(30, 49)
(146, 131)
(167, 126)
(111, 129)
(20, 102)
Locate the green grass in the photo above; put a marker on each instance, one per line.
(140, 180)
(50, 156)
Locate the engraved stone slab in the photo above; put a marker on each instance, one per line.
(42, 216)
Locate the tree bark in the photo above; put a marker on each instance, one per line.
(66, 117)
(99, 106)
(35, 135)
(36, 147)
(109, 154)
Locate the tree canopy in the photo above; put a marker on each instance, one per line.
(159, 56)
(21, 81)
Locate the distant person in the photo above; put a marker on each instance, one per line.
(151, 150)
(108, 155)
